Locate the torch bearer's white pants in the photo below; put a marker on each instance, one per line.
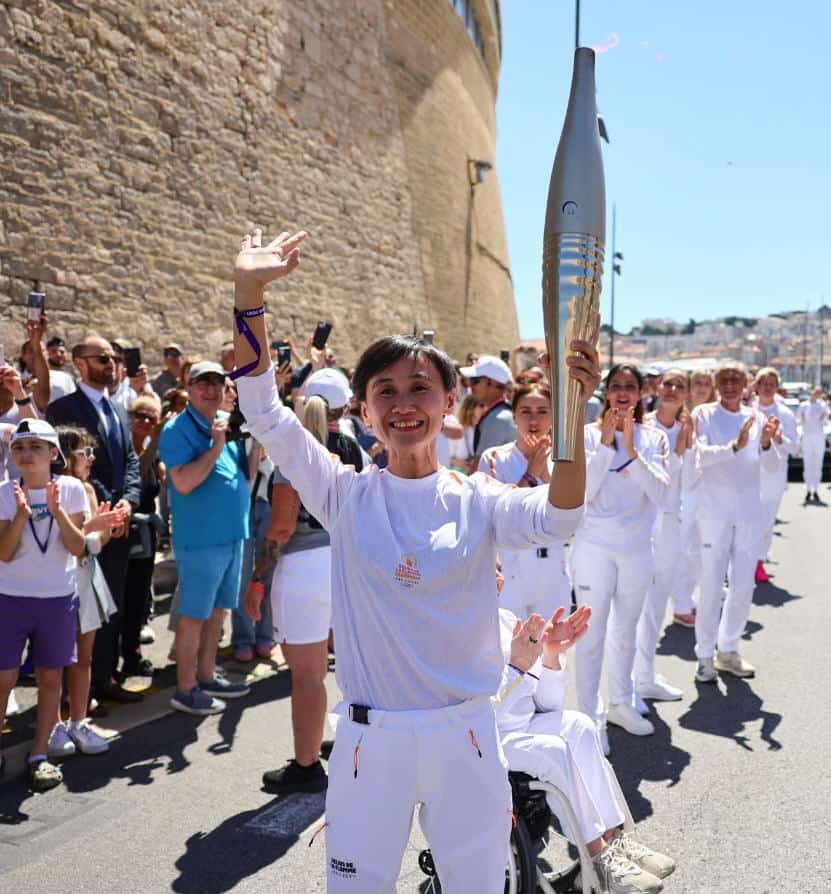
(666, 539)
(449, 760)
(563, 748)
(731, 549)
(813, 448)
(614, 584)
(534, 582)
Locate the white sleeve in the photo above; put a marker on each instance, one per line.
(790, 436)
(8, 504)
(707, 454)
(513, 704)
(522, 517)
(74, 497)
(322, 483)
(550, 693)
(649, 470)
(598, 462)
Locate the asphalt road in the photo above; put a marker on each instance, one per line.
(735, 783)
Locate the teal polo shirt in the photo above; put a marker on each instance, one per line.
(216, 512)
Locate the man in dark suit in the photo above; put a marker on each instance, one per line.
(116, 479)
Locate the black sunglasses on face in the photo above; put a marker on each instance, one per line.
(145, 418)
(103, 359)
(475, 380)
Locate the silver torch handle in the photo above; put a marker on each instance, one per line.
(575, 226)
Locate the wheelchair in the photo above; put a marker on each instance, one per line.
(541, 858)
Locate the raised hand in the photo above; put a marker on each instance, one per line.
(608, 426)
(538, 460)
(685, 436)
(628, 439)
(741, 441)
(20, 497)
(562, 633)
(219, 430)
(53, 498)
(584, 366)
(770, 431)
(259, 264)
(526, 645)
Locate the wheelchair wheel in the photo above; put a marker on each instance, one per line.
(521, 874)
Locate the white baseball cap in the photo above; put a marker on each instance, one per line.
(489, 366)
(330, 384)
(39, 430)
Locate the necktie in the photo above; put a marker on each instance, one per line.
(115, 446)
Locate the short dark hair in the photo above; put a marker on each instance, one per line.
(383, 353)
(628, 368)
(56, 342)
(542, 388)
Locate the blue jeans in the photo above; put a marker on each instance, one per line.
(244, 631)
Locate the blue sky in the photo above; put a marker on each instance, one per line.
(719, 115)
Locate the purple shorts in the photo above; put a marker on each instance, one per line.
(50, 625)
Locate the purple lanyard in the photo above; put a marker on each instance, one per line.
(45, 545)
(242, 328)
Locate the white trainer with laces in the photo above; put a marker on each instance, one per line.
(659, 690)
(733, 663)
(706, 672)
(619, 875)
(653, 862)
(60, 744)
(86, 740)
(627, 717)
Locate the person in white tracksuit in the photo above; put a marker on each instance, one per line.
(732, 441)
(702, 391)
(675, 422)
(563, 747)
(414, 611)
(813, 415)
(627, 480)
(774, 479)
(535, 579)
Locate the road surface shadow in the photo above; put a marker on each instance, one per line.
(726, 708)
(750, 629)
(239, 847)
(638, 758)
(770, 594)
(678, 641)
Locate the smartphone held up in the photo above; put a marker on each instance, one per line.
(35, 306)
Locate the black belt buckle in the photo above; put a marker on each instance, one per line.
(542, 552)
(359, 714)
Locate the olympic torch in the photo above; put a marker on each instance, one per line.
(572, 266)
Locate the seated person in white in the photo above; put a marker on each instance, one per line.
(563, 747)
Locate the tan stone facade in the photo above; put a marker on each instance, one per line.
(140, 139)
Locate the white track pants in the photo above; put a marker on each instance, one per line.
(773, 489)
(726, 549)
(449, 760)
(813, 448)
(534, 583)
(666, 541)
(563, 748)
(614, 585)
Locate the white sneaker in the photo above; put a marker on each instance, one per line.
(733, 663)
(627, 717)
(60, 744)
(86, 740)
(12, 706)
(706, 672)
(653, 862)
(604, 741)
(639, 704)
(619, 875)
(147, 635)
(659, 690)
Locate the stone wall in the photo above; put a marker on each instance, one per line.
(139, 140)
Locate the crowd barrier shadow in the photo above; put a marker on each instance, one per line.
(724, 709)
(653, 758)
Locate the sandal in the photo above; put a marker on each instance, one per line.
(43, 776)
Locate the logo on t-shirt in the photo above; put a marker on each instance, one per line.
(406, 572)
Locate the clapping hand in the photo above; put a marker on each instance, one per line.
(608, 427)
(538, 458)
(23, 507)
(628, 439)
(685, 436)
(744, 434)
(53, 498)
(770, 432)
(561, 634)
(526, 645)
(106, 519)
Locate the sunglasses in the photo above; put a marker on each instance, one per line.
(103, 359)
(86, 452)
(475, 380)
(172, 354)
(144, 417)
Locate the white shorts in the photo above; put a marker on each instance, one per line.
(301, 596)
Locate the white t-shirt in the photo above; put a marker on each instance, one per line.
(777, 476)
(414, 601)
(730, 482)
(811, 417)
(60, 384)
(623, 495)
(32, 573)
